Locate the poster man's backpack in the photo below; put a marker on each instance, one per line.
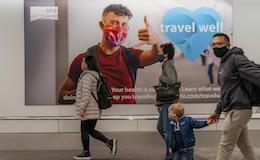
(104, 98)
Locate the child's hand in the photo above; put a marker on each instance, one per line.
(209, 122)
(173, 116)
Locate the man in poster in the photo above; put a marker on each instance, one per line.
(117, 64)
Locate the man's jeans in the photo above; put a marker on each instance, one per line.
(234, 132)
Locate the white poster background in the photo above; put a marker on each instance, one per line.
(38, 12)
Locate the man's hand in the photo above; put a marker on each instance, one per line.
(67, 92)
(82, 112)
(146, 34)
(214, 118)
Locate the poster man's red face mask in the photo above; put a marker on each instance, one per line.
(115, 35)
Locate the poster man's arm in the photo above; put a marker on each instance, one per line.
(147, 36)
(149, 57)
(68, 90)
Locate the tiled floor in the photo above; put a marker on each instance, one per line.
(131, 146)
(145, 154)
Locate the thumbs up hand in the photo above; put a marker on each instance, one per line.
(146, 34)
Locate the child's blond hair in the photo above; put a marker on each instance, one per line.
(177, 108)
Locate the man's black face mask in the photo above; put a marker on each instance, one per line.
(220, 52)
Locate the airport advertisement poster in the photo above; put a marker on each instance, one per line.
(56, 32)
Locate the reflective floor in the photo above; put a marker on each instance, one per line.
(131, 146)
(145, 154)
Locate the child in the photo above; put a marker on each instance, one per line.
(181, 137)
(87, 108)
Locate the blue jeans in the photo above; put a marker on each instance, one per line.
(184, 154)
(163, 122)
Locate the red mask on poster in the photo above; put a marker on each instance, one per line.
(115, 35)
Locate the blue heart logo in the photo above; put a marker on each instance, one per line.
(190, 31)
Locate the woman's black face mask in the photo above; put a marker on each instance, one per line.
(220, 52)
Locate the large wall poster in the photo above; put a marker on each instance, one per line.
(188, 24)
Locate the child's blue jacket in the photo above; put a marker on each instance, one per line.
(186, 129)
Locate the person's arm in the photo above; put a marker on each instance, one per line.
(198, 123)
(68, 89)
(171, 76)
(218, 109)
(67, 92)
(149, 57)
(86, 83)
(148, 36)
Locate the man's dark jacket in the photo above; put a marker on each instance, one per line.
(235, 67)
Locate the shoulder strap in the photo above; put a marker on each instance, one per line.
(131, 62)
(92, 51)
(96, 99)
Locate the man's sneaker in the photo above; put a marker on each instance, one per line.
(85, 155)
(112, 145)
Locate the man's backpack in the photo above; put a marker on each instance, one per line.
(104, 98)
(255, 91)
(252, 89)
(256, 96)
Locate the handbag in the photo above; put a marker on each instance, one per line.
(167, 93)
